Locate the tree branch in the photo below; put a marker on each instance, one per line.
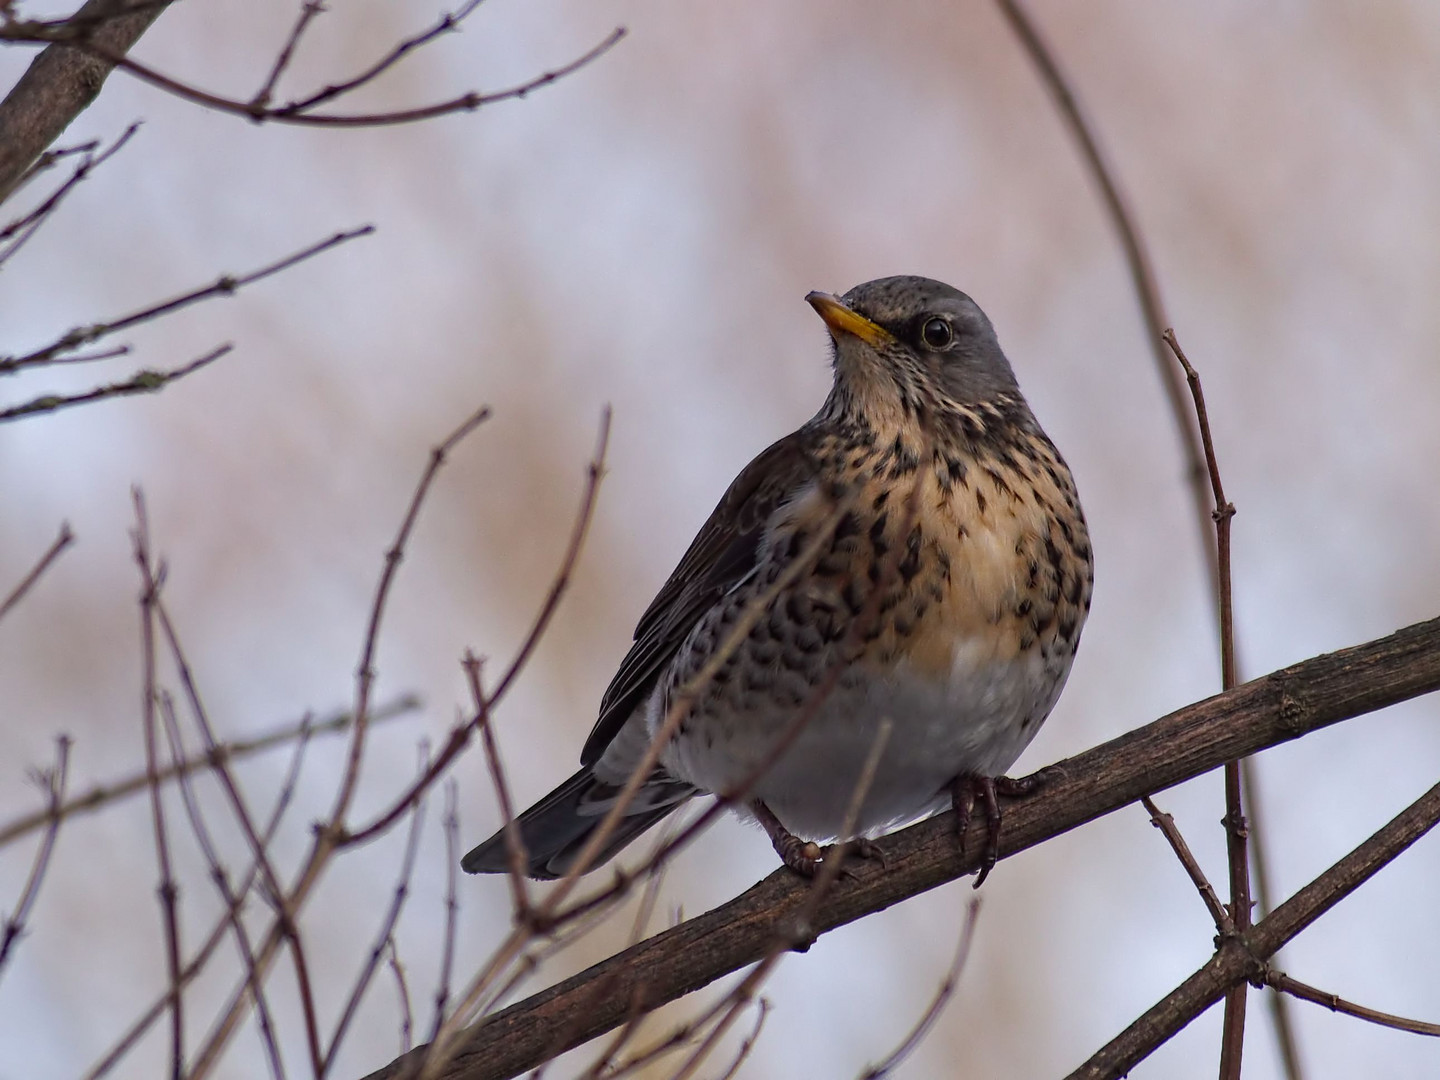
(1194, 740)
(61, 83)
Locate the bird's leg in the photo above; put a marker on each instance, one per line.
(968, 789)
(802, 856)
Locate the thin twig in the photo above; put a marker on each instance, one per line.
(452, 904)
(308, 11)
(102, 795)
(201, 958)
(151, 578)
(447, 23)
(386, 936)
(329, 835)
(30, 223)
(1282, 982)
(53, 781)
(937, 1003)
(270, 882)
(228, 896)
(1232, 1039)
(761, 1012)
(1166, 824)
(407, 1015)
(63, 540)
(142, 382)
(295, 113)
(225, 285)
(514, 844)
(460, 735)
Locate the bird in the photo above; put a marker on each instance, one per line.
(912, 558)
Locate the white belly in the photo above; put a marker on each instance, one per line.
(978, 721)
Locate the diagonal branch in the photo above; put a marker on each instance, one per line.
(1242, 959)
(1279, 707)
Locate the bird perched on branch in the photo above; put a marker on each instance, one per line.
(914, 553)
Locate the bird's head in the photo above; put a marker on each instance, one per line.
(913, 345)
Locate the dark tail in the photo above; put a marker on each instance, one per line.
(556, 829)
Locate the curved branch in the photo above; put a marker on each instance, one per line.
(1194, 740)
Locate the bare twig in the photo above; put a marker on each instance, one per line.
(1244, 957)
(514, 845)
(762, 1010)
(937, 1003)
(452, 904)
(407, 1015)
(167, 889)
(21, 229)
(448, 23)
(197, 963)
(63, 540)
(225, 285)
(1284, 983)
(384, 938)
(298, 112)
(270, 881)
(329, 835)
(103, 795)
(142, 382)
(1166, 824)
(221, 879)
(53, 781)
(460, 735)
(309, 10)
(1232, 1040)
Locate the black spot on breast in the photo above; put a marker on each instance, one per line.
(848, 525)
(980, 501)
(881, 499)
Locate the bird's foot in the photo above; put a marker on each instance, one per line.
(806, 857)
(968, 789)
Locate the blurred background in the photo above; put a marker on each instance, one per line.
(643, 234)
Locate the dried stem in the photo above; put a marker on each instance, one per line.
(937, 1003)
(167, 889)
(1166, 824)
(225, 285)
(142, 382)
(62, 541)
(1284, 983)
(53, 781)
(298, 112)
(232, 901)
(102, 795)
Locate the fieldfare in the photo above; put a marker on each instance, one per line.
(915, 552)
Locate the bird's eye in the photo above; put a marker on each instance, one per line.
(936, 333)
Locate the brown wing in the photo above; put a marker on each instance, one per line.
(720, 555)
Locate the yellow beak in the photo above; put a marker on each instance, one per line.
(844, 320)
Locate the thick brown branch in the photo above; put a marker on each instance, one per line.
(60, 84)
(1282, 706)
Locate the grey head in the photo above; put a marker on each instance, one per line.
(923, 334)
